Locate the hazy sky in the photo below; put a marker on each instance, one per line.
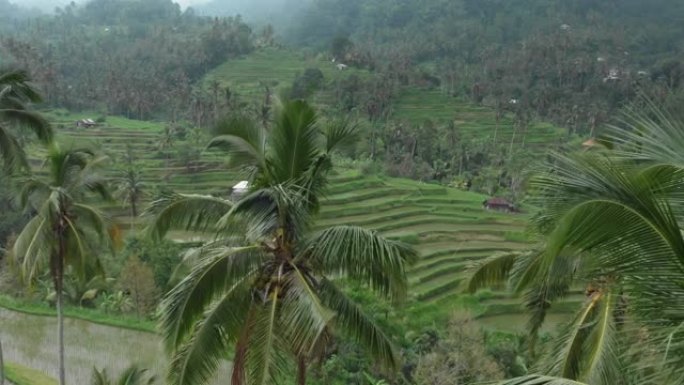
(51, 4)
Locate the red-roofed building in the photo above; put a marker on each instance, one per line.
(499, 204)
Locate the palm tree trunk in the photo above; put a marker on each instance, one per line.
(60, 331)
(510, 148)
(134, 212)
(58, 276)
(2, 367)
(134, 207)
(301, 370)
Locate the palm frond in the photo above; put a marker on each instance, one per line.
(15, 93)
(17, 82)
(99, 377)
(340, 133)
(266, 362)
(587, 348)
(649, 133)
(352, 321)
(304, 316)
(244, 140)
(293, 141)
(134, 375)
(543, 289)
(12, 153)
(32, 120)
(185, 212)
(266, 210)
(215, 274)
(33, 247)
(590, 195)
(198, 358)
(494, 270)
(536, 379)
(33, 189)
(93, 219)
(363, 255)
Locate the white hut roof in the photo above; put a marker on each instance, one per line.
(242, 185)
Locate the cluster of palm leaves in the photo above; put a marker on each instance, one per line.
(130, 376)
(16, 96)
(609, 224)
(264, 283)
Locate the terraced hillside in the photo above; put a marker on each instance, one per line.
(448, 227)
(451, 231)
(277, 68)
(418, 105)
(159, 172)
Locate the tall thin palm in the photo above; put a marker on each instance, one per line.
(609, 221)
(16, 94)
(130, 188)
(64, 229)
(265, 282)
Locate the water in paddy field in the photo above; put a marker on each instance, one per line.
(31, 341)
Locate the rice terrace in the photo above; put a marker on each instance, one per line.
(366, 192)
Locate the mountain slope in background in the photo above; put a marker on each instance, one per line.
(279, 13)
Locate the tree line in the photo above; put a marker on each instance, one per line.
(575, 63)
(139, 59)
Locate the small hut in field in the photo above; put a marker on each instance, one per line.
(499, 204)
(86, 123)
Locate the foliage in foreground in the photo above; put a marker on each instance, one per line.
(459, 358)
(264, 283)
(16, 95)
(131, 376)
(610, 222)
(64, 229)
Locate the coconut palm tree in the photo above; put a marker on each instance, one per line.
(265, 283)
(610, 224)
(131, 376)
(16, 93)
(130, 187)
(64, 230)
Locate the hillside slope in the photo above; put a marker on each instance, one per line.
(249, 76)
(448, 227)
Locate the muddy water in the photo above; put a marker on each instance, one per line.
(32, 341)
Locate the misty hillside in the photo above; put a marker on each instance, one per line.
(341, 192)
(279, 13)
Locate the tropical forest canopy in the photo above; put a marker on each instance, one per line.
(400, 192)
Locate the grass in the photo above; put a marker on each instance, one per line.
(276, 68)
(90, 315)
(21, 375)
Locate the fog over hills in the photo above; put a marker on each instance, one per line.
(277, 12)
(49, 5)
